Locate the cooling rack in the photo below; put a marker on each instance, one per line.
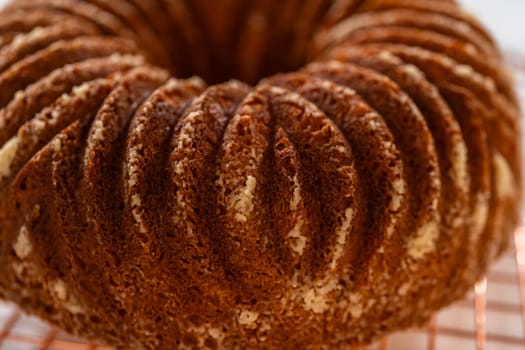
(491, 317)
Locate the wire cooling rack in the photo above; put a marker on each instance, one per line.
(491, 317)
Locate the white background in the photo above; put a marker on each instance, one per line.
(506, 19)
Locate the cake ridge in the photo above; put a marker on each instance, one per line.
(32, 99)
(446, 132)
(313, 89)
(55, 56)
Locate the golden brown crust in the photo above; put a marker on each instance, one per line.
(446, 8)
(450, 147)
(423, 183)
(39, 38)
(36, 66)
(377, 160)
(458, 50)
(408, 18)
(20, 21)
(462, 90)
(107, 22)
(319, 209)
(43, 92)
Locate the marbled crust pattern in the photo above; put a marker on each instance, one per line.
(365, 187)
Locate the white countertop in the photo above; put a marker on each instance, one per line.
(505, 19)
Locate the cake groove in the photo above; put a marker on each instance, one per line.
(457, 50)
(40, 64)
(409, 18)
(45, 91)
(321, 142)
(38, 38)
(450, 146)
(445, 8)
(370, 140)
(20, 21)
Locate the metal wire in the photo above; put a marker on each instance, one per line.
(492, 317)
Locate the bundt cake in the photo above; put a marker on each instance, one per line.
(166, 184)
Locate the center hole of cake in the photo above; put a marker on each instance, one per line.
(242, 57)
